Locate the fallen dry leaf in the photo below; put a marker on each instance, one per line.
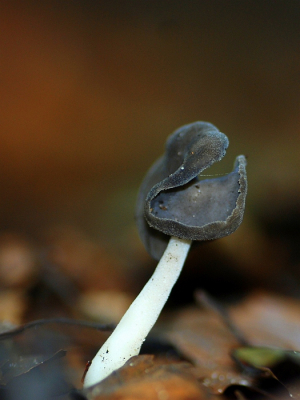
(201, 337)
(269, 320)
(147, 378)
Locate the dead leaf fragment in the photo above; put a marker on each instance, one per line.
(269, 320)
(146, 378)
(202, 338)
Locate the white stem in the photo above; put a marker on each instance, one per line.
(129, 335)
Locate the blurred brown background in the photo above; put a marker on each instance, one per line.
(91, 89)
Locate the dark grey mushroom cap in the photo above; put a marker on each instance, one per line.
(172, 201)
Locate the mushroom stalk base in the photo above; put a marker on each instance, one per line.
(129, 335)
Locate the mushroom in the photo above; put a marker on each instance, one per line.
(174, 208)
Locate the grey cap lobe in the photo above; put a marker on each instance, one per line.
(172, 201)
